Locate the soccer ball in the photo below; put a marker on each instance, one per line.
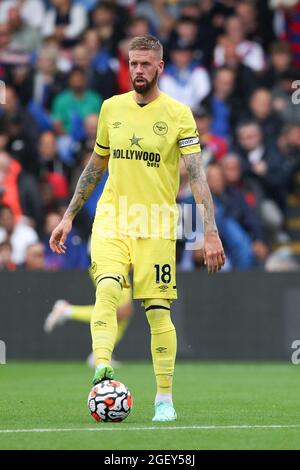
(109, 401)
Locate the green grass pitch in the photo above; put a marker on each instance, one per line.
(219, 406)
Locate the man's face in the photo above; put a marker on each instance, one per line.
(144, 67)
(7, 219)
(47, 146)
(231, 169)
(261, 104)
(35, 257)
(215, 179)
(77, 82)
(249, 137)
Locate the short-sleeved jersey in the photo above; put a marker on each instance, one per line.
(145, 144)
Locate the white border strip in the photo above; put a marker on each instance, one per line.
(153, 428)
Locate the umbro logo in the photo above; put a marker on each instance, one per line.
(116, 124)
(161, 350)
(100, 323)
(163, 288)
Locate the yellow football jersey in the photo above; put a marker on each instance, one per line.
(144, 144)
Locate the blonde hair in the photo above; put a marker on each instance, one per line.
(146, 43)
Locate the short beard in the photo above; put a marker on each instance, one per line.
(148, 86)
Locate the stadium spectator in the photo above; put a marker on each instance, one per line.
(47, 81)
(35, 258)
(242, 205)
(9, 190)
(161, 15)
(6, 262)
(98, 70)
(90, 130)
(262, 112)
(246, 12)
(232, 170)
(283, 95)
(280, 62)
(236, 240)
(70, 107)
(137, 26)
(263, 163)
(282, 260)
(225, 108)
(201, 13)
(64, 22)
(109, 20)
(19, 191)
(32, 11)
(289, 143)
(24, 37)
(213, 147)
(123, 78)
(246, 80)
(76, 256)
(21, 128)
(250, 52)
(182, 76)
(185, 33)
(51, 168)
(19, 234)
(288, 15)
(20, 77)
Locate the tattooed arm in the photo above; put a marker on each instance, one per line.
(214, 256)
(87, 182)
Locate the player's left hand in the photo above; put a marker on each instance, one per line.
(214, 256)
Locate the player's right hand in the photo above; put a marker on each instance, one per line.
(59, 236)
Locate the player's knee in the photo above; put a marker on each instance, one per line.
(109, 287)
(158, 315)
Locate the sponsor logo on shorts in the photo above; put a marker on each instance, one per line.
(163, 288)
(160, 128)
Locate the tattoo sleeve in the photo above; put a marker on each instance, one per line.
(200, 190)
(87, 182)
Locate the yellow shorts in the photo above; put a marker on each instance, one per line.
(126, 295)
(153, 263)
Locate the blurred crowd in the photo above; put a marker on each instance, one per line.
(234, 62)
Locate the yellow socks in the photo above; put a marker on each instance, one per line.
(163, 343)
(104, 326)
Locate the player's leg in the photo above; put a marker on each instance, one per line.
(60, 313)
(124, 312)
(163, 350)
(110, 265)
(63, 311)
(155, 282)
(104, 326)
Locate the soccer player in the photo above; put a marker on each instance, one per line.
(140, 137)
